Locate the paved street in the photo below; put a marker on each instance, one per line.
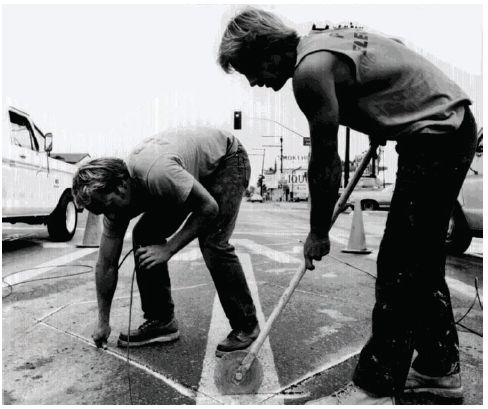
(48, 356)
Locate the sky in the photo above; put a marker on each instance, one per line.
(102, 77)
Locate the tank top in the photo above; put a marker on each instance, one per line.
(396, 90)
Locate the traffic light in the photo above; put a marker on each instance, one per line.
(237, 120)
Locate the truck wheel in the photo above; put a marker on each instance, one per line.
(459, 235)
(62, 222)
(369, 205)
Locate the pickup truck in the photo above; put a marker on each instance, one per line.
(36, 189)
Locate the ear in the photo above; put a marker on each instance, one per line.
(122, 188)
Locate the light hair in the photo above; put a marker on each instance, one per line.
(251, 35)
(102, 175)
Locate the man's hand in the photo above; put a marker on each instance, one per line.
(100, 334)
(314, 249)
(151, 256)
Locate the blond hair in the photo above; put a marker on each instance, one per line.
(101, 175)
(251, 35)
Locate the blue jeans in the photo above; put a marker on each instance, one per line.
(413, 306)
(227, 185)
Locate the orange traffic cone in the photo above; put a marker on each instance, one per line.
(357, 239)
(93, 231)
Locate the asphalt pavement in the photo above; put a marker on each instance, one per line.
(49, 358)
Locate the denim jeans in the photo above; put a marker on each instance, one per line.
(413, 307)
(227, 185)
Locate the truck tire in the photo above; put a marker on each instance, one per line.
(62, 222)
(369, 205)
(459, 235)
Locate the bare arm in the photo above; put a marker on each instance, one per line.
(314, 87)
(106, 275)
(203, 208)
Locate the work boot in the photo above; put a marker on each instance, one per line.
(448, 386)
(352, 394)
(149, 332)
(237, 340)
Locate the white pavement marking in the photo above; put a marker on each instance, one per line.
(273, 254)
(461, 288)
(189, 255)
(219, 328)
(272, 233)
(49, 265)
(334, 360)
(51, 245)
(168, 381)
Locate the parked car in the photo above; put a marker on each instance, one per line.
(372, 199)
(467, 216)
(256, 198)
(36, 188)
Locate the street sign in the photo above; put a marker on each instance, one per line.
(306, 141)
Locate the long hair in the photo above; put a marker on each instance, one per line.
(101, 175)
(251, 35)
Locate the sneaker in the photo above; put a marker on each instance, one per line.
(352, 394)
(448, 386)
(236, 341)
(149, 332)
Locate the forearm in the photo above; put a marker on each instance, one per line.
(197, 221)
(106, 282)
(324, 178)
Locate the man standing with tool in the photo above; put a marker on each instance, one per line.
(188, 181)
(377, 86)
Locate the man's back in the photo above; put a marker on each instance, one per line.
(395, 91)
(198, 150)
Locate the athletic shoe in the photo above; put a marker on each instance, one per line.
(237, 340)
(448, 386)
(352, 394)
(151, 331)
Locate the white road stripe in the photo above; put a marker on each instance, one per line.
(219, 328)
(272, 233)
(275, 255)
(188, 255)
(49, 265)
(272, 254)
(464, 289)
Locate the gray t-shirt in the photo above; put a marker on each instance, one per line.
(164, 166)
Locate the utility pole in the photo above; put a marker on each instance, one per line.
(281, 154)
(262, 165)
(373, 165)
(276, 146)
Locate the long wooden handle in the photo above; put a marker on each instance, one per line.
(256, 346)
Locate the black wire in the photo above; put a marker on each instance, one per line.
(458, 322)
(128, 333)
(353, 266)
(11, 286)
(470, 330)
(90, 269)
(477, 292)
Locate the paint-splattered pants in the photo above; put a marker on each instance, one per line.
(227, 185)
(413, 307)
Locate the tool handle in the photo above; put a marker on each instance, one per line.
(339, 207)
(256, 346)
